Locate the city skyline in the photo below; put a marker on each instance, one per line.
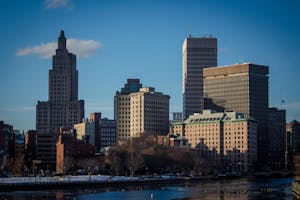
(116, 40)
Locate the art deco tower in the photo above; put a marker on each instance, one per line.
(197, 53)
(63, 109)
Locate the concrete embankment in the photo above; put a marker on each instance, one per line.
(36, 183)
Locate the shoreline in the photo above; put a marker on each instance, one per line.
(91, 181)
(40, 183)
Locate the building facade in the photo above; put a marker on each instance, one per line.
(177, 116)
(108, 133)
(197, 53)
(140, 111)
(7, 140)
(149, 112)
(69, 148)
(63, 109)
(19, 145)
(122, 108)
(292, 142)
(96, 118)
(226, 139)
(30, 148)
(241, 88)
(276, 138)
(86, 131)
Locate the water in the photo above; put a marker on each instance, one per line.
(243, 188)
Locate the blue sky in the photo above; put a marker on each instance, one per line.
(116, 40)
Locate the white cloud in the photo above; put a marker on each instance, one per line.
(43, 50)
(82, 48)
(51, 4)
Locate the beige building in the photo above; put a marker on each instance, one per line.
(149, 112)
(140, 110)
(122, 108)
(86, 131)
(123, 117)
(228, 139)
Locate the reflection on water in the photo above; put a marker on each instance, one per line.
(214, 189)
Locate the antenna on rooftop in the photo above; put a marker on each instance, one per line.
(282, 102)
(190, 35)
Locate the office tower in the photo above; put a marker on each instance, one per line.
(276, 138)
(197, 53)
(241, 88)
(226, 139)
(122, 108)
(140, 111)
(292, 142)
(149, 112)
(63, 109)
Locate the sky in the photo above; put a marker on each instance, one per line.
(119, 39)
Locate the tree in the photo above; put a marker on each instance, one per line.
(6, 164)
(134, 161)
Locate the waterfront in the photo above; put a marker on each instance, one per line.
(242, 188)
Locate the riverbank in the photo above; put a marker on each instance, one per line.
(36, 183)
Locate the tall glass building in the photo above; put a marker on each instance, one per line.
(197, 53)
(240, 88)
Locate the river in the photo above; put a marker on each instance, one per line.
(241, 188)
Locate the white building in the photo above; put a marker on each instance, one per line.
(86, 131)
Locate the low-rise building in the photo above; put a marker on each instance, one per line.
(86, 131)
(19, 145)
(228, 139)
(108, 133)
(69, 148)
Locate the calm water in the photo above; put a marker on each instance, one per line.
(243, 188)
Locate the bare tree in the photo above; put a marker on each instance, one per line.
(134, 161)
(68, 164)
(6, 164)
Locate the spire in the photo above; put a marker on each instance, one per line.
(62, 41)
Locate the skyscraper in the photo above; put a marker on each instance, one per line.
(241, 88)
(197, 53)
(63, 109)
